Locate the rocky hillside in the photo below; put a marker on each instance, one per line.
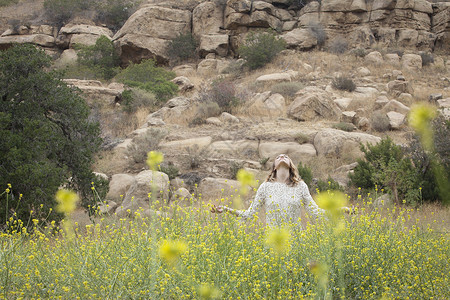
(318, 123)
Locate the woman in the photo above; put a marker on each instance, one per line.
(283, 194)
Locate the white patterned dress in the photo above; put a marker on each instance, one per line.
(283, 203)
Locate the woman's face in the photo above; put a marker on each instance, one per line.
(282, 159)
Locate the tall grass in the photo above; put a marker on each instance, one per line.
(375, 253)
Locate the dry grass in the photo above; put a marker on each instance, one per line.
(111, 162)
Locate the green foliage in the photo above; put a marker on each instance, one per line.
(170, 169)
(147, 76)
(329, 185)
(133, 99)
(45, 132)
(305, 173)
(386, 166)
(183, 47)
(60, 11)
(349, 127)
(261, 48)
(359, 52)
(101, 58)
(234, 168)
(221, 92)
(8, 2)
(344, 83)
(114, 13)
(145, 143)
(287, 89)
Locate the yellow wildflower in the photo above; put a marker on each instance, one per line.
(154, 159)
(246, 179)
(66, 201)
(170, 251)
(419, 118)
(278, 239)
(207, 291)
(332, 201)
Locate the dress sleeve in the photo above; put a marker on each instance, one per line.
(260, 199)
(312, 208)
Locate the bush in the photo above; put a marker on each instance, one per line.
(305, 173)
(205, 110)
(183, 47)
(427, 58)
(385, 165)
(170, 169)
(344, 84)
(133, 99)
(60, 11)
(287, 89)
(349, 127)
(46, 134)
(329, 185)
(302, 138)
(145, 143)
(318, 31)
(195, 156)
(338, 45)
(8, 2)
(380, 121)
(261, 48)
(222, 92)
(101, 57)
(359, 52)
(234, 168)
(114, 13)
(147, 76)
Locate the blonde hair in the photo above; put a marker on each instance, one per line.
(294, 177)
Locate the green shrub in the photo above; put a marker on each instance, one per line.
(344, 83)
(60, 11)
(114, 13)
(8, 2)
(183, 47)
(222, 92)
(287, 89)
(302, 138)
(101, 57)
(145, 143)
(147, 76)
(261, 48)
(385, 165)
(133, 99)
(359, 52)
(170, 169)
(349, 127)
(329, 185)
(234, 168)
(204, 111)
(305, 173)
(46, 134)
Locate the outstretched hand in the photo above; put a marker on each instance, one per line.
(217, 209)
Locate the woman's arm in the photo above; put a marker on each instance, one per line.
(309, 203)
(256, 204)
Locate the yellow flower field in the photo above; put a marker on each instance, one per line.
(189, 253)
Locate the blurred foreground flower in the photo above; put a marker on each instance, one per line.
(170, 251)
(66, 201)
(420, 117)
(154, 159)
(207, 291)
(333, 202)
(278, 239)
(246, 179)
(320, 271)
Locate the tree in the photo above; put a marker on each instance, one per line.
(46, 135)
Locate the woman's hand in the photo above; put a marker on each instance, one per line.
(217, 209)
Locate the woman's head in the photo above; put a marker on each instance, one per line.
(283, 161)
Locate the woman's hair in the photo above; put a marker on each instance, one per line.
(294, 177)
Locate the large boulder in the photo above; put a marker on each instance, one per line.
(214, 43)
(83, 34)
(216, 188)
(233, 148)
(207, 18)
(149, 185)
(314, 106)
(333, 142)
(146, 33)
(119, 185)
(43, 40)
(267, 105)
(200, 142)
(95, 93)
(299, 38)
(297, 152)
(412, 62)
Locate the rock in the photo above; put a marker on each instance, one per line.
(383, 200)
(207, 67)
(396, 106)
(146, 33)
(312, 107)
(36, 39)
(412, 62)
(275, 77)
(184, 70)
(233, 148)
(184, 84)
(178, 101)
(214, 43)
(365, 92)
(182, 195)
(107, 207)
(405, 98)
(69, 57)
(207, 18)
(348, 116)
(363, 71)
(94, 92)
(86, 29)
(435, 97)
(266, 105)
(331, 142)
(444, 107)
(374, 57)
(137, 196)
(216, 188)
(363, 124)
(395, 119)
(343, 103)
(297, 152)
(182, 144)
(299, 38)
(227, 117)
(118, 186)
(392, 59)
(213, 121)
(397, 87)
